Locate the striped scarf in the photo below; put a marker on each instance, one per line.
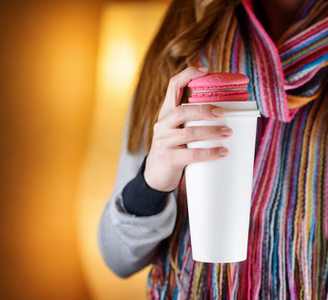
(288, 234)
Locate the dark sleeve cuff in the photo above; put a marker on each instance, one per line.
(141, 200)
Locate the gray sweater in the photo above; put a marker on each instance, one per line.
(127, 242)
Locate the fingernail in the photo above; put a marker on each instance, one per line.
(223, 151)
(203, 69)
(217, 111)
(226, 131)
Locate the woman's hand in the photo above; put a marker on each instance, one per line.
(169, 155)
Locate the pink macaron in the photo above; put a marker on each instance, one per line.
(219, 87)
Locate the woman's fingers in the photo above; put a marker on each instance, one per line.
(191, 134)
(184, 156)
(175, 138)
(172, 162)
(176, 86)
(169, 155)
(184, 113)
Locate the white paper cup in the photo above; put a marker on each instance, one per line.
(219, 192)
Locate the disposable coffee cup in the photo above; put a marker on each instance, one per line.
(219, 191)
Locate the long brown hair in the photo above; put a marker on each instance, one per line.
(186, 28)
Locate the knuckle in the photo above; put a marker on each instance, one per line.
(193, 155)
(173, 81)
(188, 132)
(204, 110)
(159, 145)
(178, 112)
(211, 152)
(214, 130)
(201, 109)
(156, 128)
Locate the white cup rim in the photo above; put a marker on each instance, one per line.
(234, 109)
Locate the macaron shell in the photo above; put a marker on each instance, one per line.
(218, 80)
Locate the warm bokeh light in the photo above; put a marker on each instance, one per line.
(118, 61)
(126, 31)
(47, 75)
(65, 67)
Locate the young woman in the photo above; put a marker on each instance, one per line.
(282, 46)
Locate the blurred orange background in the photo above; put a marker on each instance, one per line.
(67, 73)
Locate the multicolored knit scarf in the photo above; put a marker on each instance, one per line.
(288, 235)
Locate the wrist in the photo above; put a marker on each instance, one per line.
(157, 179)
(141, 200)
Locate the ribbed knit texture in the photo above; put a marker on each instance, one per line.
(288, 234)
(141, 200)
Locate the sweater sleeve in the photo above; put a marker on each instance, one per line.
(141, 200)
(127, 240)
